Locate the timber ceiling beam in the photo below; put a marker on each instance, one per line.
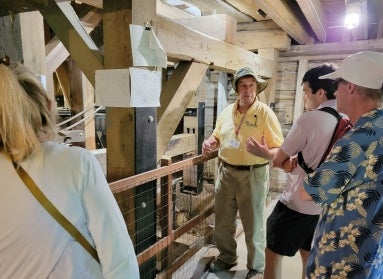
(253, 40)
(262, 35)
(175, 97)
(94, 3)
(221, 27)
(220, 7)
(249, 7)
(64, 22)
(56, 53)
(282, 14)
(333, 48)
(182, 43)
(257, 26)
(171, 12)
(315, 15)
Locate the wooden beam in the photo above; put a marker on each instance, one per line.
(64, 81)
(363, 23)
(75, 87)
(95, 3)
(269, 93)
(175, 97)
(132, 182)
(171, 12)
(89, 123)
(185, 44)
(299, 103)
(253, 40)
(379, 33)
(248, 7)
(120, 122)
(334, 48)
(280, 12)
(318, 57)
(220, 7)
(180, 144)
(221, 27)
(261, 25)
(56, 52)
(315, 15)
(33, 44)
(63, 20)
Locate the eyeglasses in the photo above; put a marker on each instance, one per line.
(5, 60)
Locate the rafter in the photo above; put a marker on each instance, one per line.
(67, 27)
(282, 14)
(314, 13)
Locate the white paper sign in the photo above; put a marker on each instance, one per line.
(145, 88)
(146, 48)
(112, 88)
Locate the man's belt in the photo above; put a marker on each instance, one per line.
(244, 167)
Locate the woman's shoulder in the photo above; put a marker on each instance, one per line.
(66, 152)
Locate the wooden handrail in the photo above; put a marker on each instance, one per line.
(138, 179)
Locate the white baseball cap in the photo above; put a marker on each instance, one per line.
(363, 68)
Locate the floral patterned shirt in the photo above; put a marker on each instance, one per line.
(349, 186)
(376, 270)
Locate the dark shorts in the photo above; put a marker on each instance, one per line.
(289, 230)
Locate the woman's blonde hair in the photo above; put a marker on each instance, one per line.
(25, 118)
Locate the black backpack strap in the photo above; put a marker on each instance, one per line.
(332, 111)
(303, 164)
(301, 160)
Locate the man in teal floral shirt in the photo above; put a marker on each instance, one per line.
(349, 184)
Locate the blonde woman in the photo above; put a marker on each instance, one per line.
(32, 243)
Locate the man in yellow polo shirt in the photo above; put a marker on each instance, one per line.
(248, 135)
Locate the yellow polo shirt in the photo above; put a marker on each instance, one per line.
(258, 121)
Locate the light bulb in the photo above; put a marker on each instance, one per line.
(352, 14)
(351, 20)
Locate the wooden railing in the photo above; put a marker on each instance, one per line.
(164, 174)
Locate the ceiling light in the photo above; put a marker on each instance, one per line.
(352, 14)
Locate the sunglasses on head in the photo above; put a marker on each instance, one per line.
(5, 60)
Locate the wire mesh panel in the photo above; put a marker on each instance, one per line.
(183, 218)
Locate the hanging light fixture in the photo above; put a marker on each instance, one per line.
(352, 14)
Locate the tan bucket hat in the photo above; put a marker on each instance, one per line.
(247, 71)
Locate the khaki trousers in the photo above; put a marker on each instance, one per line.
(246, 192)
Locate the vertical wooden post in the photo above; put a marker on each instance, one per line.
(33, 43)
(166, 212)
(299, 103)
(120, 122)
(143, 13)
(89, 124)
(269, 95)
(131, 133)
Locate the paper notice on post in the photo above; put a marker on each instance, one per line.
(112, 88)
(145, 88)
(146, 48)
